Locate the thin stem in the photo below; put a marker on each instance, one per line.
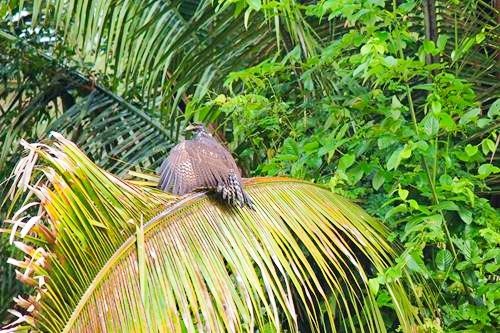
(455, 46)
(434, 169)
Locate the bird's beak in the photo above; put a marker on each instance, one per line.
(190, 127)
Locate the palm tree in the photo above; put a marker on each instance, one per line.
(103, 254)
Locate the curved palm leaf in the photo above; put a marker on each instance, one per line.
(107, 255)
(168, 49)
(42, 96)
(114, 133)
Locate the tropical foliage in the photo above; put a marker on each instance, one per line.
(393, 104)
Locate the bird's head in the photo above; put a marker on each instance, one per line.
(196, 128)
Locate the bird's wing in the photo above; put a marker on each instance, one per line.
(212, 162)
(177, 174)
(193, 164)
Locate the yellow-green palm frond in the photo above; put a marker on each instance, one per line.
(106, 255)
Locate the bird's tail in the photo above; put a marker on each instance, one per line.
(248, 201)
(233, 193)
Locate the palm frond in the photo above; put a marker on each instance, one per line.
(9, 286)
(107, 255)
(167, 49)
(465, 23)
(43, 95)
(117, 135)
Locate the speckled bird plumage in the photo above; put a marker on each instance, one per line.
(203, 163)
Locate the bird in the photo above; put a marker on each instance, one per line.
(202, 163)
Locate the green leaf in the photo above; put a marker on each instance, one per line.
(441, 42)
(385, 141)
(430, 124)
(374, 286)
(448, 205)
(311, 146)
(492, 237)
(406, 152)
(487, 169)
(254, 4)
(429, 47)
(443, 259)
(378, 180)
(465, 215)
(398, 155)
(413, 204)
(446, 122)
(480, 37)
(494, 110)
(407, 6)
(396, 104)
(403, 194)
(469, 116)
(415, 262)
(390, 61)
(346, 161)
(396, 210)
(490, 267)
(471, 150)
(483, 122)
(355, 175)
(445, 180)
(290, 147)
(394, 159)
(436, 107)
(379, 3)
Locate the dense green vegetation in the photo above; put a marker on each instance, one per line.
(411, 141)
(393, 104)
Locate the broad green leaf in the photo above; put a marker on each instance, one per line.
(396, 210)
(430, 124)
(469, 116)
(487, 169)
(396, 104)
(346, 161)
(471, 150)
(483, 122)
(441, 42)
(436, 107)
(374, 286)
(465, 215)
(390, 61)
(378, 180)
(494, 110)
(443, 259)
(480, 37)
(403, 194)
(394, 159)
(415, 262)
(446, 122)
(406, 152)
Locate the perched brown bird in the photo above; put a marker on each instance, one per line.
(203, 163)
